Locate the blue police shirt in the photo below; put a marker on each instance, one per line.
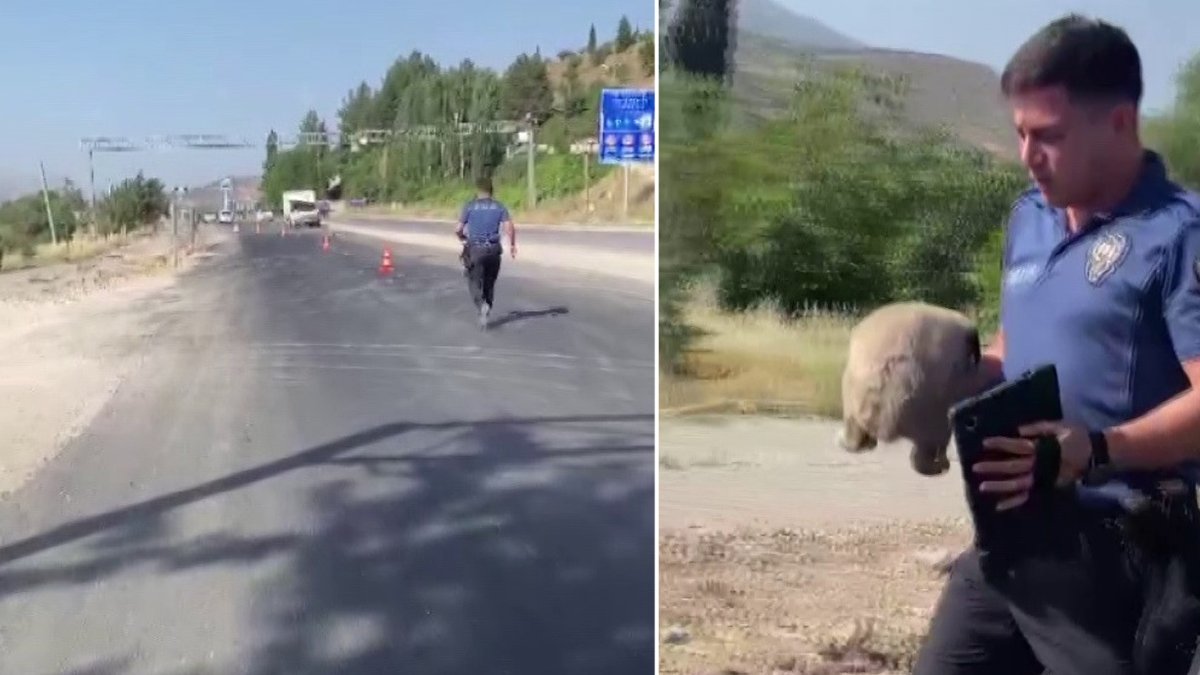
(483, 218)
(1115, 307)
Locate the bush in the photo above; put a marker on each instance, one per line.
(836, 204)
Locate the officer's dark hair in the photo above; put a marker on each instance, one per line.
(1093, 60)
(484, 184)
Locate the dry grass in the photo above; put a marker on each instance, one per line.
(607, 198)
(607, 205)
(786, 601)
(760, 360)
(608, 73)
(82, 247)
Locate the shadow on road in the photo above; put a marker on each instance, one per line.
(515, 316)
(518, 558)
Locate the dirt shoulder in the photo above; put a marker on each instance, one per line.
(70, 333)
(779, 552)
(629, 266)
(448, 217)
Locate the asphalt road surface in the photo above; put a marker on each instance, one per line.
(616, 240)
(315, 470)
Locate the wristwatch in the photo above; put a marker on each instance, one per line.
(1100, 468)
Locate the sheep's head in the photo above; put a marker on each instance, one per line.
(851, 438)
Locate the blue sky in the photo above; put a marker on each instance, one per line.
(1167, 32)
(144, 67)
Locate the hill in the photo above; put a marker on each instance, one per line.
(957, 95)
(614, 68)
(769, 19)
(435, 165)
(246, 189)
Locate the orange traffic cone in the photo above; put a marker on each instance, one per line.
(385, 265)
(325, 243)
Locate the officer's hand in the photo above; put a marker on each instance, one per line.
(512, 251)
(1016, 474)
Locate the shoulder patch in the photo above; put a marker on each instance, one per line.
(1106, 255)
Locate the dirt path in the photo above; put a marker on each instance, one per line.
(779, 552)
(69, 332)
(756, 471)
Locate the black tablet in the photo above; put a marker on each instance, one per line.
(1000, 412)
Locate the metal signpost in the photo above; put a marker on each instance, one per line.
(626, 130)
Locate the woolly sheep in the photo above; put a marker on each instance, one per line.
(908, 362)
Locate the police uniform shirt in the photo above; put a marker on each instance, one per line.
(483, 218)
(1115, 307)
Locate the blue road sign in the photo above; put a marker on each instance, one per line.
(626, 126)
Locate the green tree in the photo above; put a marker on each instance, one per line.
(135, 202)
(272, 151)
(442, 131)
(701, 38)
(646, 53)
(311, 123)
(1176, 134)
(692, 110)
(591, 43)
(355, 113)
(625, 37)
(527, 89)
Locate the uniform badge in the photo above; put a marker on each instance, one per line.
(1105, 256)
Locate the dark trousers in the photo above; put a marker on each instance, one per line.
(483, 267)
(1115, 595)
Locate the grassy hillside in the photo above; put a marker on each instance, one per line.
(246, 190)
(822, 183)
(814, 186)
(958, 96)
(434, 171)
(771, 20)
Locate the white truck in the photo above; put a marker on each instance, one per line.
(300, 208)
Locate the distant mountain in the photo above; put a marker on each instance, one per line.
(770, 19)
(246, 189)
(958, 95)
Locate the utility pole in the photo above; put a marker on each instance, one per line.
(175, 226)
(587, 179)
(531, 150)
(626, 206)
(462, 159)
(49, 211)
(92, 176)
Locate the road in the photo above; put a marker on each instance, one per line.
(739, 472)
(616, 240)
(315, 470)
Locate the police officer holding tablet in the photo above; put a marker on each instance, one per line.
(1101, 279)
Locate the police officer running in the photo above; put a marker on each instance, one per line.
(479, 229)
(1101, 279)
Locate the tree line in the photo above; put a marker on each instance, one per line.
(418, 93)
(838, 205)
(130, 205)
